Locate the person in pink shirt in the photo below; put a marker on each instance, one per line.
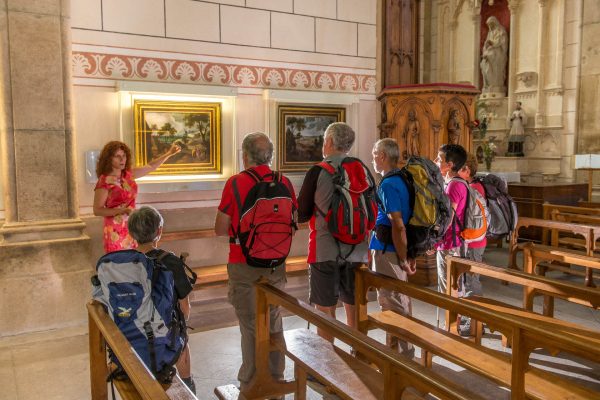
(450, 160)
(469, 283)
(475, 249)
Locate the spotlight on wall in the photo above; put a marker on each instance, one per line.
(91, 159)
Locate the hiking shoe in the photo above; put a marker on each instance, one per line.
(464, 328)
(189, 382)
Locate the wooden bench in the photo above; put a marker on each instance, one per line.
(588, 204)
(555, 227)
(550, 211)
(141, 383)
(531, 284)
(549, 207)
(537, 259)
(527, 334)
(347, 376)
(492, 364)
(217, 274)
(581, 216)
(212, 275)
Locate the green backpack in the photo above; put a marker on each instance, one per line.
(432, 212)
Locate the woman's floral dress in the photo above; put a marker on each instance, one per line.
(122, 192)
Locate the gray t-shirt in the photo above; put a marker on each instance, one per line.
(314, 201)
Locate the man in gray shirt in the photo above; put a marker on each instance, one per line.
(332, 263)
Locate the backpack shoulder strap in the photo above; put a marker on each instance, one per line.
(327, 167)
(253, 174)
(276, 176)
(408, 181)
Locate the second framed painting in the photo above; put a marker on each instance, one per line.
(300, 132)
(194, 126)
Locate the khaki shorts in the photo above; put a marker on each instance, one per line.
(331, 281)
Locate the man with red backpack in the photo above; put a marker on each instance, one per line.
(257, 211)
(338, 197)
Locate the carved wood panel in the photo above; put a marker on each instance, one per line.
(400, 42)
(423, 117)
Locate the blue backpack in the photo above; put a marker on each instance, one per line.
(139, 295)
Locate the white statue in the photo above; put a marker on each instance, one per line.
(517, 121)
(516, 137)
(494, 56)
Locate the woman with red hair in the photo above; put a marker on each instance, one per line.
(116, 190)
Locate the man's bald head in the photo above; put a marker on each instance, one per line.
(258, 148)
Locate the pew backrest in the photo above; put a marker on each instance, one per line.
(103, 330)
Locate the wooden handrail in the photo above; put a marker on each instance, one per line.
(142, 379)
(390, 363)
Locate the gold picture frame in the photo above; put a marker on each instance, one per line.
(195, 126)
(300, 131)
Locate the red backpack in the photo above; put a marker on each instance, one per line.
(266, 221)
(353, 210)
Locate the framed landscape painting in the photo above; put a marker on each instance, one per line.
(300, 131)
(196, 127)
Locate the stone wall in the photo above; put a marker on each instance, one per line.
(254, 53)
(250, 55)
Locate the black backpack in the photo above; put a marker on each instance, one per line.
(501, 206)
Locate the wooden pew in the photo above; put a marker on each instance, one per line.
(534, 255)
(526, 333)
(588, 204)
(555, 227)
(217, 274)
(347, 376)
(191, 234)
(590, 220)
(141, 383)
(548, 208)
(577, 215)
(531, 284)
(211, 275)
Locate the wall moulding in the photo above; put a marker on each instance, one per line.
(553, 91)
(531, 94)
(157, 69)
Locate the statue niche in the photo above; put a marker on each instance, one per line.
(494, 56)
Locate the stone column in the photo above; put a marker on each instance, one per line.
(44, 277)
(513, 6)
(476, 17)
(541, 62)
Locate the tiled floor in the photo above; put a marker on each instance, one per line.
(54, 365)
